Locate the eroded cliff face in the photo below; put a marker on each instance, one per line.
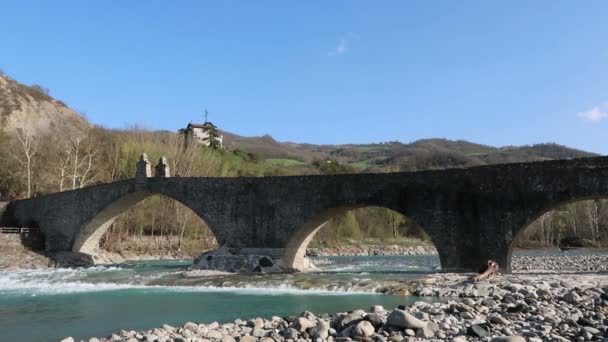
(30, 108)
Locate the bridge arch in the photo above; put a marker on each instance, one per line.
(295, 250)
(566, 208)
(87, 239)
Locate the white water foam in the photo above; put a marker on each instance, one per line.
(66, 281)
(45, 288)
(61, 280)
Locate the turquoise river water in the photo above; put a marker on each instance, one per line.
(49, 304)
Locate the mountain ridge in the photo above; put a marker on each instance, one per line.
(420, 154)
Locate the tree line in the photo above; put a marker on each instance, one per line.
(38, 164)
(586, 219)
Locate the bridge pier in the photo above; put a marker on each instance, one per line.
(55, 241)
(474, 259)
(247, 260)
(476, 239)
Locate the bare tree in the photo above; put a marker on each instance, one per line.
(29, 147)
(63, 162)
(545, 221)
(183, 157)
(80, 154)
(113, 155)
(592, 210)
(571, 209)
(181, 215)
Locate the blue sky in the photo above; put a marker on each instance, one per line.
(497, 73)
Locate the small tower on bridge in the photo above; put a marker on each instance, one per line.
(143, 170)
(162, 169)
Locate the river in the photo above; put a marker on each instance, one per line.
(49, 304)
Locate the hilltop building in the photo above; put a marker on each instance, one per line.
(205, 134)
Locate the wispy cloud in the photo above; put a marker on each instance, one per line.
(340, 48)
(595, 114)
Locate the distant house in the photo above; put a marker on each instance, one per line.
(206, 134)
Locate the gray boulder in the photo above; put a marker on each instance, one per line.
(401, 319)
(508, 339)
(499, 320)
(364, 329)
(301, 324)
(425, 333)
(321, 330)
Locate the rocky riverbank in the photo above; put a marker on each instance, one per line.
(363, 250)
(567, 263)
(526, 306)
(14, 255)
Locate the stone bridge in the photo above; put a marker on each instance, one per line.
(471, 214)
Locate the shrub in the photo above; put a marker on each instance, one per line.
(39, 88)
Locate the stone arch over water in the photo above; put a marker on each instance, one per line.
(295, 251)
(582, 217)
(88, 239)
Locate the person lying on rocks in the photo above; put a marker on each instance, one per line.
(491, 269)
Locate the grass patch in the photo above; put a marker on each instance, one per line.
(364, 164)
(283, 162)
(361, 164)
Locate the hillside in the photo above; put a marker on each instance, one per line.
(396, 156)
(268, 148)
(31, 108)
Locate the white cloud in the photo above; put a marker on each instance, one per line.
(341, 48)
(594, 114)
